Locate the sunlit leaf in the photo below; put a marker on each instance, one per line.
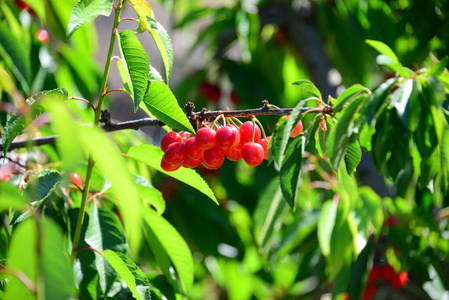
(326, 224)
(405, 101)
(143, 10)
(163, 43)
(307, 85)
(348, 95)
(85, 11)
(152, 156)
(437, 69)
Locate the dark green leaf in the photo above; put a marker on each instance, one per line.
(377, 99)
(175, 247)
(359, 271)
(122, 269)
(152, 156)
(12, 48)
(163, 43)
(37, 190)
(17, 123)
(321, 137)
(275, 141)
(136, 63)
(352, 157)
(85, 11)
(405, 101)
(308, 86)
(290, 173)
(161, 102)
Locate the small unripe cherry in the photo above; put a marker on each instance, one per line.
(264, 143)
(252, 154)
(169, 167)
(175, 154)
(246, 132)
(191, 162)
(192, 150)
(75, 178)
(227, 137)
(205, 138)
(234, 154)
(214, 157)
(170, 138)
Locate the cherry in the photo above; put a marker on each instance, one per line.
(175, 154)
(214, 157)
(234, 154)
(184, 135)
(264, 143)
(209, 91)
(168, 167)
(170, 138)
(387, 272)
(370, 291)
(246, 132)
(75, 178)
(252, 154)
(205, 138)
(227, 137)
(375, 273)
(192, 150)
(191, 162)
(399, 280)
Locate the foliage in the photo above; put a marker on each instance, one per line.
(307, 223)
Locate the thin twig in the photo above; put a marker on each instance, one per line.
(82, 99)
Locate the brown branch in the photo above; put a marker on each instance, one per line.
(266, 110)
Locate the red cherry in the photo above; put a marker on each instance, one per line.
(175, 154)
(227, 137)
(214, 157)
(246, 132)
(388, 273)
(184, 135)
(252, 154)
(75, 178)
(399, 280)
(192, 150)
(205, 138)
(264, 143)
(375, 273)
(42, 36)
(170, 138)
(235, 98)
(168, 167)
(234, 154)
(191, 162)
(370, 291)
(209, 91)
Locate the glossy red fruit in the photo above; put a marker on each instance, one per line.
(297, 130)
(252, 154)
(192, 162)
(184, 135)
(370, 292)
(214, 157)
(205, 138)
(388, 273)
(42, 36)
(169, 167)
(211, 167)
(234, 154)
(375, 273)
(175, 154)
(227, 137)
(399, 280)
(75, 178)
(170, 138)
(246, 132)
(192, 150)
(264, 143)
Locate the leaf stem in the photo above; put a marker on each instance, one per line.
(82, 99)
(90, 163)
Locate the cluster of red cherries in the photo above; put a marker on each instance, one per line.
(210, 145)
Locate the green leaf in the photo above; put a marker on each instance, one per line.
(136, 63)
(437, 69)
(308, 86)
(322, 136)
(11, 198)
(104, 231)
(124, 74)
(163, 43)
(161, 102)
(37, 190)
(152, 156)
(15, 50)
(326, 224)
(150, 194)
(353, 157)
(348, 95)
(405, 101)
(268, 215)
(175, 247)
(85, 11)
(275, 141)
(116, 261)
(378, 98)
(388, 58)
(17, 123)
(143, 10)
(383, 49)
(290, 173)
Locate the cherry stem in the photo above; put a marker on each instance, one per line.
(114, 90)
(88, 248)
(230, 120)
(82, 99)
(261, 127)
(127, 19)
(254, 127)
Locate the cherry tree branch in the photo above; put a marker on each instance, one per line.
(108, 126)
